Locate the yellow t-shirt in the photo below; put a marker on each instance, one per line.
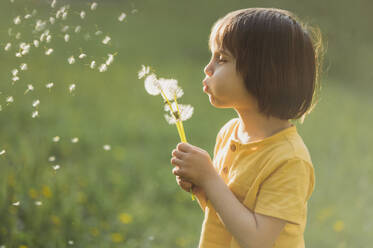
(273, 177)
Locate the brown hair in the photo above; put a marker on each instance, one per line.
(278, 57)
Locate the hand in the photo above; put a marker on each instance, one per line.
(185, 185)
(192, 164)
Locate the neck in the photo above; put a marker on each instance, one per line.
(255, 126)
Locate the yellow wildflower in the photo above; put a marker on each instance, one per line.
(46, 191)
(338, 226)
(125, 218)
(117, 237)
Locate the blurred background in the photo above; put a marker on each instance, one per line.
(92, 168)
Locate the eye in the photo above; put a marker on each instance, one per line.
(220, 58)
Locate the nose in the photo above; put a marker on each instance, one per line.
(208, 70)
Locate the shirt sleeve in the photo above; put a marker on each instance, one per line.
(284, 193)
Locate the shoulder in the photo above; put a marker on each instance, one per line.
(227, 127)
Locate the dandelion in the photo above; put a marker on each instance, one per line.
(2, 152)
(70, 242)
(15, 79)
(38, 203)
(170, 92)
(18, 55)
(27, 16)
(49, 51)
(66, 37)
(106, 40)
(30, 87)
(36, 103)
(93, 64)
(93, 6)
(49, 86)
(52, 20)
(82, 14)
(144, 71)
(49, 38)
(36, 43)
(107, 147)
(125, 218)
(75, 140)
(77, 29)
(8, 46)
(56, 139)
(14, 72)
(71, 60)
(9, 99)
(16, 203)
(121, 17)
(17, 20)
(23, 66)
(56, 167)
(116, 237)
(35, 114)
(102, 68)
(71, 87)
(82, 56)
(52, 159)
(53, 4)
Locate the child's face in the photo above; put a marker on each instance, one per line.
(224, 85)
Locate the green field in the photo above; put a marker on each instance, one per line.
(127, 196)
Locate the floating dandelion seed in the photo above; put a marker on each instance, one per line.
(110, 59)
(122, 16)
(93, 64)
(49, 86)
(18, 36)
(17, 20)
(9, 99)
(27, 16)
(70, 242)
(56, 167)
(71, 60)
(2, 152)
(93, 6)
(23, 67)
(53, 4)
(99, 32)
(14, 72)
(8, 46)
(40, 25)
(29, 88)
(56, 139)
(82, 56)
(15, 79)
(18, 55)
(66, 37)
(82, 14)
(106, 40)
(52, 20)
(65, 28)
(49, 38)
(106, 147)
(102, 68)
(52, 159)
(75, 140)
(36, 103)
(144, 71)
(36, 43)
(38, 203)
(49, 51)
(16, 203)
(35, 114)
(64, 15)
(77, 29)
(71, 87)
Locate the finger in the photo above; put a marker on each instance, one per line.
(177, 171)
(184, 147)
(178, 154)
(177, 162)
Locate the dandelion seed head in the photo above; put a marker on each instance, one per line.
(110, 59)
(144, 71)
(98, 32)
(93, 6)
(121, 17)
(82, 14)
(23, 66)
(15, 79)
(9, 99)
(66, 37)
(56, 139)
(152, 85)
(35, 114)
(8, 46)
(17, 20)
(52, 20)
(75, 140)
(49, 51)
(38, 203)
(16, 203)
(2, 152)
(71, 60)
(56, 167)
(14, 72)
(102, 68)
(71, 87)
(106, 147)
(169, 87)
(52, 159)
(106, 40)
(77, 29)
(82, 56)
(53, 4)
(36, 43)
(50, 85)
(36, 103)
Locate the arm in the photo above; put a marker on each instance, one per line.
(251, 230)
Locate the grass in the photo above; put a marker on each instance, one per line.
(128, 196)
